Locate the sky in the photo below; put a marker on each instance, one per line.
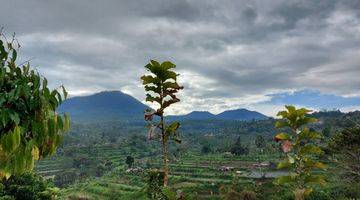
(258, 54)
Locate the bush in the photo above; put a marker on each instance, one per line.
(27, 186)
(155, 184)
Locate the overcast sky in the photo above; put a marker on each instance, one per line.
(231, 54)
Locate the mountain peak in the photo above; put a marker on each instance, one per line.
(102, 106)
(199, 115)
(241, 114)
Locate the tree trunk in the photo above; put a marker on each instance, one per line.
(166, 164)
(165, 152)
(299, 194)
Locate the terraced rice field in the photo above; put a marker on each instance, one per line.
(197, 174)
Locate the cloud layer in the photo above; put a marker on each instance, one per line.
(231, 54)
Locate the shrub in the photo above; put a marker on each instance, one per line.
(27, 186)
(155, 184)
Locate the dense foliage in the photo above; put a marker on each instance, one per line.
(27, 187)
(194, 173)
(346, 147)
(30, 128)
(238, 148)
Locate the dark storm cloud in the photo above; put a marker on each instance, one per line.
(231, 53)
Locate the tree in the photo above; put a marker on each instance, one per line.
(346, 148)
(300, 149)
(161, 87)
(238, 149)
(30, 128)
(129, 161)
(27, 186)
(326, 132)
(260, 142)
(206, 149)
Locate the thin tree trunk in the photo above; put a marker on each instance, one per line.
(165, 153)
(166, 164)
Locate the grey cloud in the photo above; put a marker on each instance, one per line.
(236, 48)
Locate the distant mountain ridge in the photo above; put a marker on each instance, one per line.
(116, 105)
(238, 114)
(241, 114)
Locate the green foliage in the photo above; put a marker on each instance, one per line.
(129, 161)
(65, 178)
(206, 149)
(346, 147)
(29, 126)
(161, 87)
(27, 186)
(260, 142)
(238, 148)
(301, 151)
(155, 182)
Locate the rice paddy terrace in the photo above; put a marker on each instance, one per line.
(199, 175)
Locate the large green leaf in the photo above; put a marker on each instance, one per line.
(310, 149)
(286, 163)
(315, 179)
(307, 134)
(169, 75)
(284, 180)
(281, 124)
(282, 136)
(309, 163)
(167, 65)
(150, 80)
(172, 128)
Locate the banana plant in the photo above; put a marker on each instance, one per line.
(30, 127)
(161, 88)
(299, 145)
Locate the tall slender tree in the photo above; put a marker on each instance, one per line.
(161, 87)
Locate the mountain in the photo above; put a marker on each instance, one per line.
(196, 115)
(116, 105)
(240, 114)
(107, 105)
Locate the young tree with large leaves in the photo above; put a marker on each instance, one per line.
(301, 151)
(161, 87)
(30, 128)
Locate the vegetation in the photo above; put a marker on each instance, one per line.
(346, 148)
(161, 87)
(30, 128)
(238, 148)
(260, 142)
(129, 161)
(27, 186)
(301, 151)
